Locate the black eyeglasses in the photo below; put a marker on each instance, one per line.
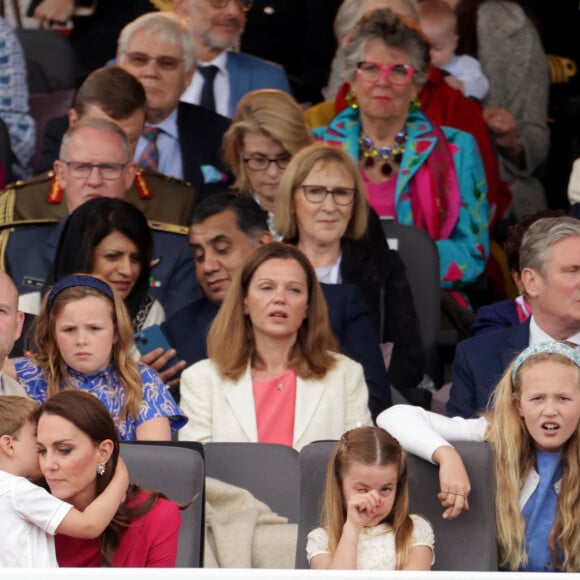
(262, 163)
(140, 59)
(245, 5)
(397, 74)
(318, 193)
(82, 170)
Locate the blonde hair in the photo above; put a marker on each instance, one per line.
(269, 112)
(231, 344)
(514, 457)
(15, 412)
(48, 356)
(368, 446)
(301, 165)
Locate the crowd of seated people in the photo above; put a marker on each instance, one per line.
(205, 256)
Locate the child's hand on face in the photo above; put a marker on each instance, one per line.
(362, 508)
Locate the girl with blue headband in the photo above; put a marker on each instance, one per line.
(533, 427)
(83, 341)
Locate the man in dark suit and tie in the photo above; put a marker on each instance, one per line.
(550, 273)
(224, 76)
(224, 231)
(180, 140)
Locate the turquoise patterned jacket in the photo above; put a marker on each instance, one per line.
(463, 254)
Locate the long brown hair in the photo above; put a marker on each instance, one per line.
(89, 415)
(48, 356)
(368, 446)
(231, 344)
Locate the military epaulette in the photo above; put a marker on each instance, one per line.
(46, 176)
(170, 228)
(151, 174)
(24, 223)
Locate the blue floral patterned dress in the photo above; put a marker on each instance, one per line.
(105, 385)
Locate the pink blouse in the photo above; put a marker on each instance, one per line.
(381, 196)
(275, 402)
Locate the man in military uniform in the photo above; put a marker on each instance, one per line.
(114, 94)
(95, 160)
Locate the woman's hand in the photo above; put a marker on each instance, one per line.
(158, 358)
(454, 482)
(362, 507)
(54, 11)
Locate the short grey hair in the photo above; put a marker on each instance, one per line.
(349, 13)
(100, 125)
(171, 29)
(395, 31)
(541, 236)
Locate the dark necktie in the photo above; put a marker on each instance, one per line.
(149, 159)
(207, 95)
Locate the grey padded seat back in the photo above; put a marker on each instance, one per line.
(178, 471)
(267, 470)
(466, 543)
(421, 258)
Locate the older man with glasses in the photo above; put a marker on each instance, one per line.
(95, 161)
(179, 139)
(223, 77)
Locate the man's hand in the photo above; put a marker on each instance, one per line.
(158, 358)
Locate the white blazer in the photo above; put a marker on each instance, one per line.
(12, 386)
(220, 409)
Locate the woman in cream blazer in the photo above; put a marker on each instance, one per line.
(272, 373)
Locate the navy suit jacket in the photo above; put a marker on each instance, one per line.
(201, 134)
(479, 365)
(187, 331)
(494, 317)
(249, 73)
(31, 250)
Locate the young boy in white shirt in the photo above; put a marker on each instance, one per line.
(439, 24)
(29, 515)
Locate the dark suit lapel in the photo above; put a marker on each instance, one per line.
(239, 81)
(516, 341)
(190, 147)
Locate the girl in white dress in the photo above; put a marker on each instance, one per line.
(365, 522)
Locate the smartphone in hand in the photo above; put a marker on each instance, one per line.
(151, 338)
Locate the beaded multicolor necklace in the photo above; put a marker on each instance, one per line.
(371, 154)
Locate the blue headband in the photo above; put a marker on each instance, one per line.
(548, 348)
(79, 280)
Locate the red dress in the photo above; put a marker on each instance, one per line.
(150, 541)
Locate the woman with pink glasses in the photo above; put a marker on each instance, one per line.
(414, 172)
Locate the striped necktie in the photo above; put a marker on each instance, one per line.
(149, 159)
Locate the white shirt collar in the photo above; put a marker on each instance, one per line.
(168, 125)
(220, 61)
(537, 335)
